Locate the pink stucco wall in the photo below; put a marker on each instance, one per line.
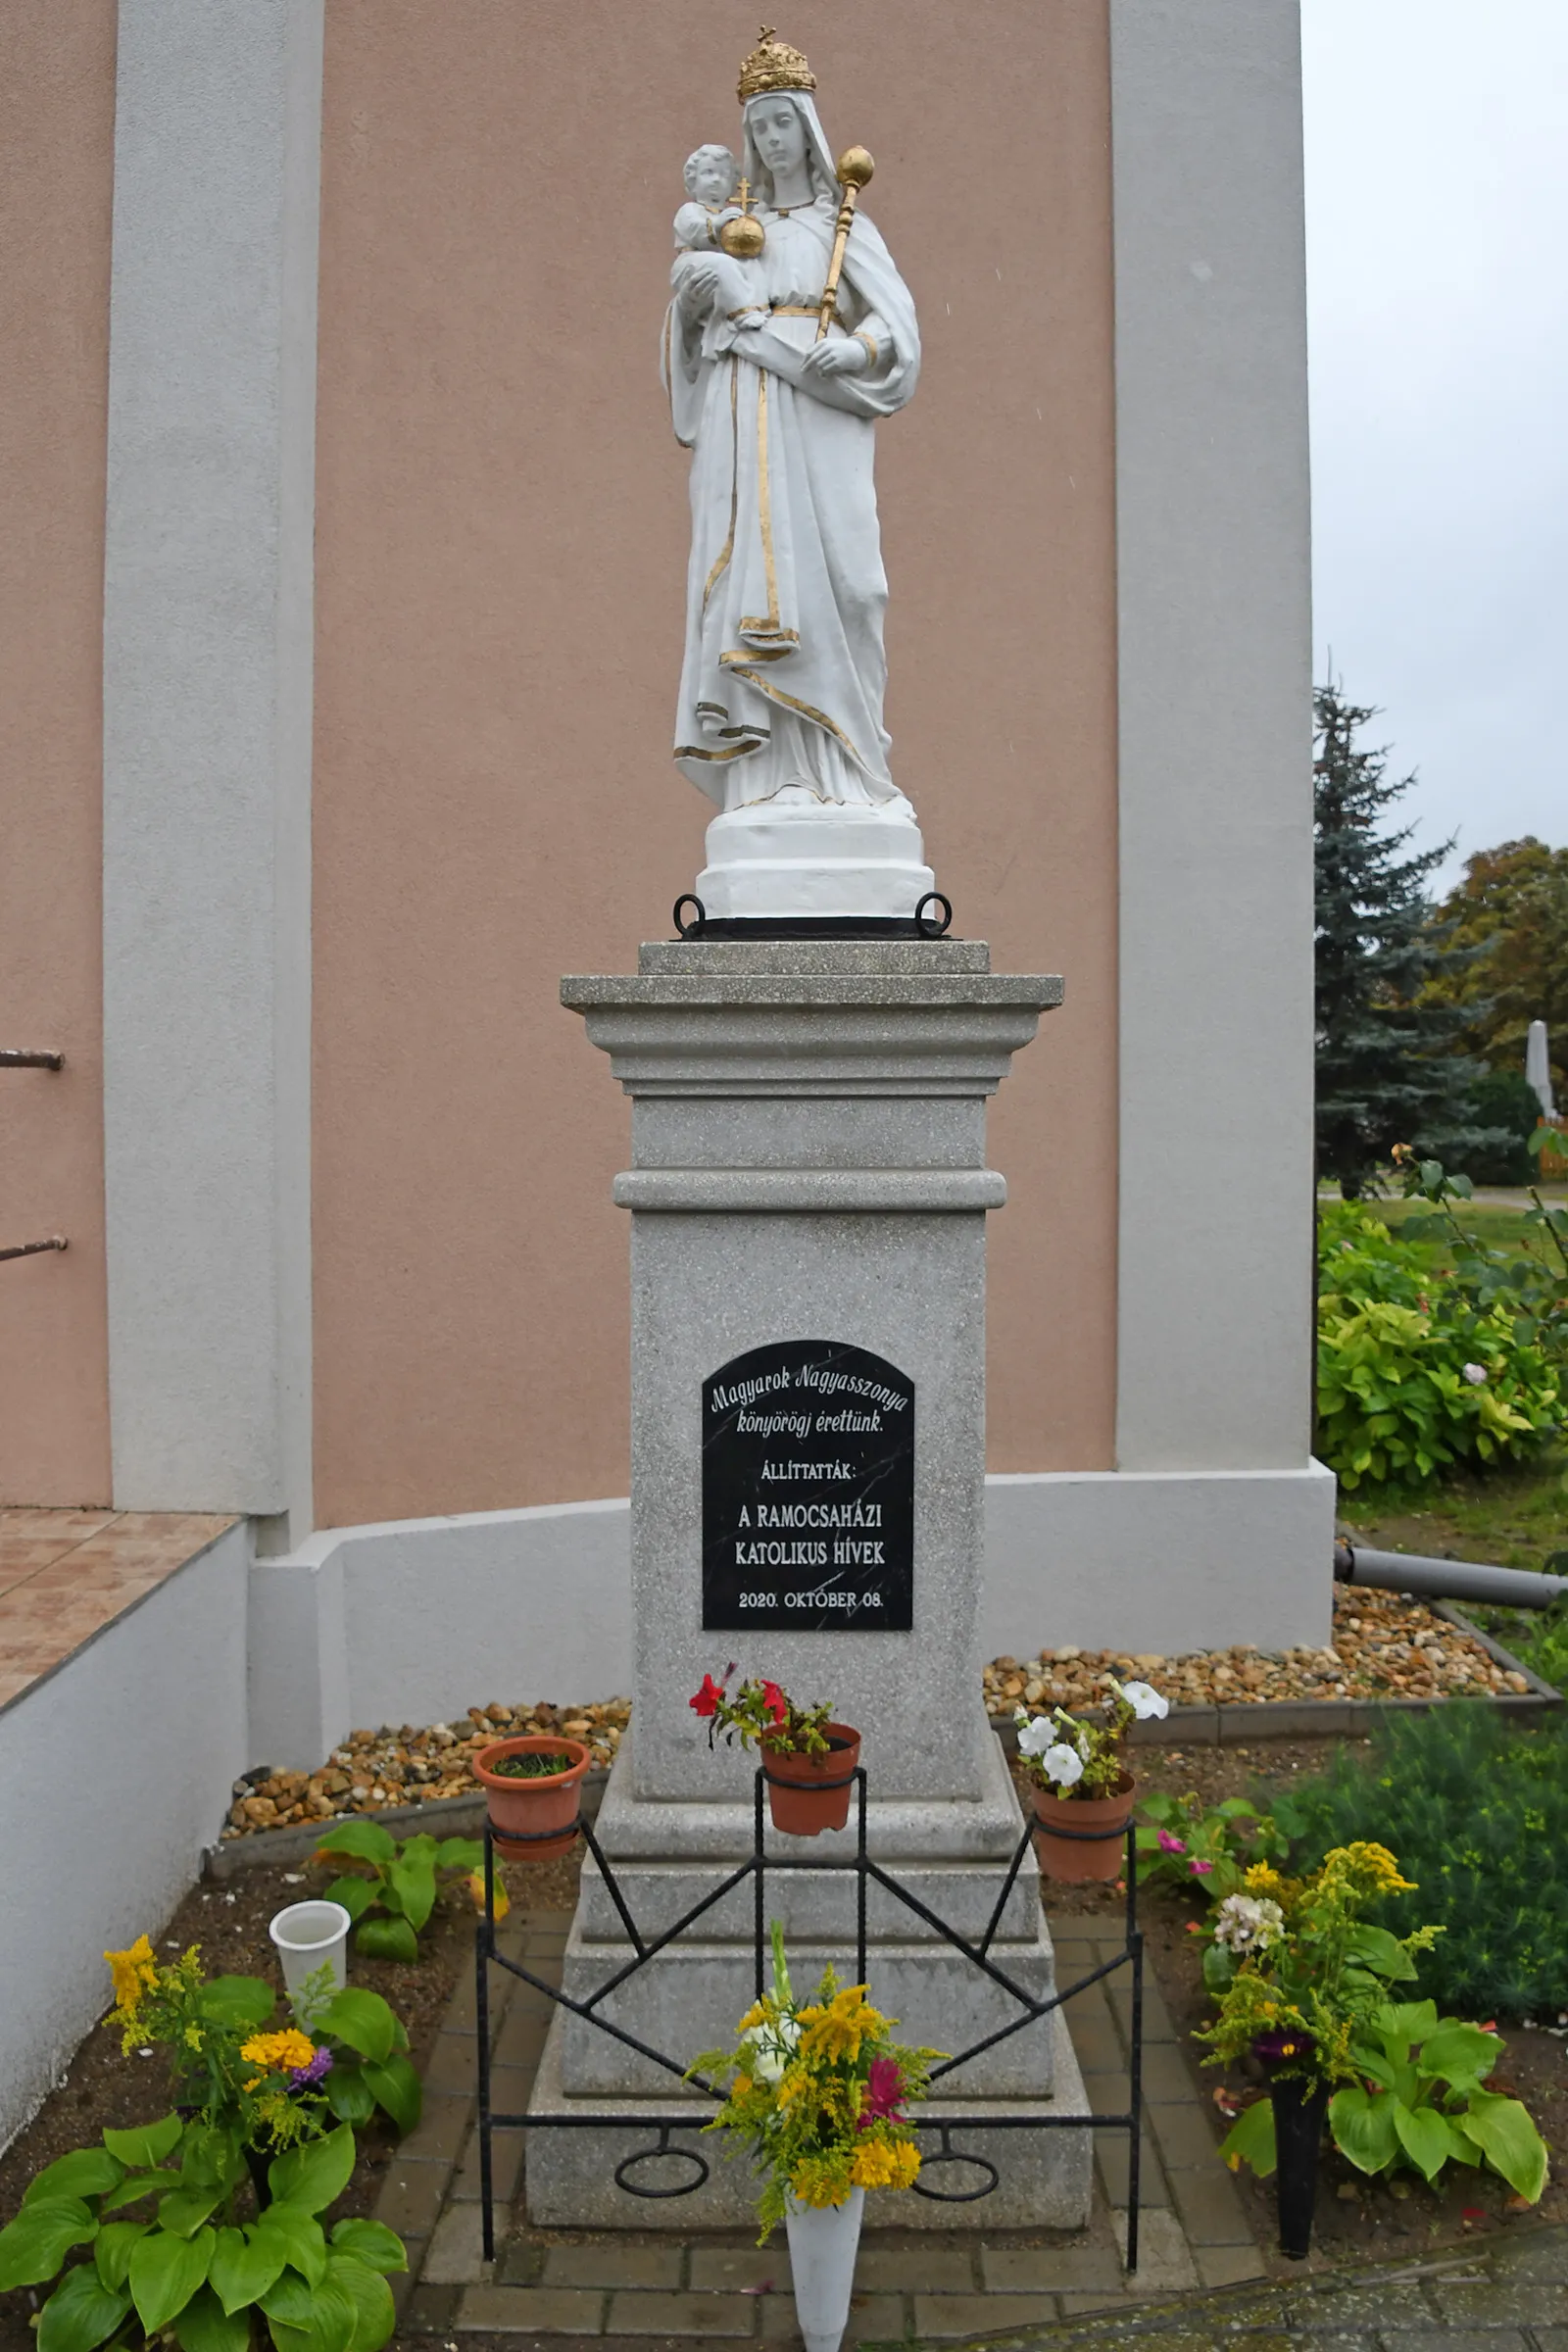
(501, 546)
(57, 101)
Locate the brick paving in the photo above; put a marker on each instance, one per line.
(619, 2291)
(1201, 2280)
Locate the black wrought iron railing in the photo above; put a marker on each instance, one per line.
(759, 1866)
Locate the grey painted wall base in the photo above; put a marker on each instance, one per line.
(1158, 1561)
(114, 1775)
(413, 1620)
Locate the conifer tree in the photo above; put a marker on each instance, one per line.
(1388, 1068)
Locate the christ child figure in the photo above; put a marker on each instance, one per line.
(711, 176)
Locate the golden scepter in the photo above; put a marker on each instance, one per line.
(854, 169)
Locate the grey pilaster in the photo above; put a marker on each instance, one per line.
(207, 622)
(1215, 711)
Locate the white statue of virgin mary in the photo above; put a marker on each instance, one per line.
(780, 712)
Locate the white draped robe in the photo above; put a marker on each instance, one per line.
(784, 671)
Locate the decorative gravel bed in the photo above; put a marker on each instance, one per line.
(1385, 1646)
(414, 1764)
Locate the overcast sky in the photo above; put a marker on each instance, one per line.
(1436, 205)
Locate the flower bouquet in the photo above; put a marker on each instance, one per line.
(808, 1761)
(817, 2093)
(1083, 1794)
(1303, 1980)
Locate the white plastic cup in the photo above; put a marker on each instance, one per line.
(309, 1936)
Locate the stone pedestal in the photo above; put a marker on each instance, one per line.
(808, 1166)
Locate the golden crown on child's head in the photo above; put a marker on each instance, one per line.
(774, 65)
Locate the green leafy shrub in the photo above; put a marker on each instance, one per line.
(1209, 1848)
(1478, 1814)
(1419, 1369)
(391, 1904)
(1528, 1282)
(190, 2268)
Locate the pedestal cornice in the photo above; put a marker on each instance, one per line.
(802, 1018)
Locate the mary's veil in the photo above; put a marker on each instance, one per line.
(824, 176)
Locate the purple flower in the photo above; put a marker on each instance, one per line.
(306, 2078)
(1275, 2048)
(1171, 1844)
(1200, 1870)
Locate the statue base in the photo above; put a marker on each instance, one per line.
(794, 858)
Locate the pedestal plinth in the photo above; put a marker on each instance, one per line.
(809, 1195)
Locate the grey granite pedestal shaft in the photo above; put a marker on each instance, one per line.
(808, 1166)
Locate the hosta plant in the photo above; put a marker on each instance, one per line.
(144, 2238)
(1420, 2103)
(369, 2046)
(392, 1901)
(203, 2228)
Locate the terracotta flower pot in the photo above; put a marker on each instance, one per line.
(1081, 1838)
(799, 1802)
(519, 1810)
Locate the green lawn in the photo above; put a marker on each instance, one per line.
(1494, 1226)
(1515, 1517)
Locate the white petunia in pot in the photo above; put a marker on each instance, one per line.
(1083, 1791)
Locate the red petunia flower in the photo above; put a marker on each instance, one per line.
(708, 1697)
(775, 1700)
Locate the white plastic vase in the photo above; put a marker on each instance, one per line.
(308, 1937)
(824, 2241)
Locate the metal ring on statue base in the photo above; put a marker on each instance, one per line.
(952, 2155)
(703, 925)
(652, 2156)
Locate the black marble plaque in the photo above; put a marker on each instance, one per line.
(809, 1491)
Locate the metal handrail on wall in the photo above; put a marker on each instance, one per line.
(757, 1867)
(32, 1057)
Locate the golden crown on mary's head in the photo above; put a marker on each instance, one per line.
(774, 65)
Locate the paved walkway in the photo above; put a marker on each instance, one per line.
(1201, 2282)
(623, 2287)
(1512, 2296)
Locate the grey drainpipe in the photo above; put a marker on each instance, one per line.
(1454, 1580)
